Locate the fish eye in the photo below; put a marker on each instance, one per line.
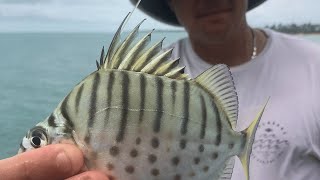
(35, 141)
(38, 137)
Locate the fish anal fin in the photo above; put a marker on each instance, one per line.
(219, 83)
(250, 135)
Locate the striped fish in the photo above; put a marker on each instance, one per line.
(139, 117)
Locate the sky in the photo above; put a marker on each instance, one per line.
(106, 15)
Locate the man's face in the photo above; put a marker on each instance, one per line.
(210, 20)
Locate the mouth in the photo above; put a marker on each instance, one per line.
(212, 13)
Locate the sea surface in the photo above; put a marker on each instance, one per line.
(38, 69)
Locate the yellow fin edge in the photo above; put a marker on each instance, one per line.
(250, 135)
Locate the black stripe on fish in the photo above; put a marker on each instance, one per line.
(218, 123)
(204, 117)
(109, 94)
(142, 95)
(65, 113)
(92, 104)
(186, 96)
(159, 101)
(78, 97)
(125, 105)
(51, 121)
(173, 89)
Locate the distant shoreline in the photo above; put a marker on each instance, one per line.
(143, 31)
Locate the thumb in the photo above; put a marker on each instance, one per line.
(57, 161)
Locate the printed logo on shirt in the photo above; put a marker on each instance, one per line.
(270, 142)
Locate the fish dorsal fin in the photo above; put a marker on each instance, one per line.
(226, 174)
(219, 83)
(124, 48)
(137, 56)
(114, 43)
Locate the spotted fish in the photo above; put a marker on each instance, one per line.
(139, 117)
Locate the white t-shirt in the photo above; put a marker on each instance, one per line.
(287, 144)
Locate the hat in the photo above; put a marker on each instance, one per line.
(160, 10)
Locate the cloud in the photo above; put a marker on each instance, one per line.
(286, 11)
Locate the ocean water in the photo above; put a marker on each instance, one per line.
(37, 70)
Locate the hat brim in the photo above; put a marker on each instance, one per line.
(159, 10)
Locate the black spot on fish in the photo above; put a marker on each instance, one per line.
(129, 169)
(192, 174)
(110, 166)
(111, 177)
(114, 151)
(214, 156)
(201, 148)
(155, 142)
(231, 145)
(152, 158)
(134, 153)
(196, 160)
(177, 177)
(155, 172)
(138, 141)
(183, 143)
(206, 168)
(175, 161)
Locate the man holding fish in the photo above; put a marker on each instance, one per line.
(287, 140)
(264, 64)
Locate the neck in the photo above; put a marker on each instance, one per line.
(235, 50)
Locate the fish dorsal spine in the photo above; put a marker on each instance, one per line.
(219, 83)
(135, 56)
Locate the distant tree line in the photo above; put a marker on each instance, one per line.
(296, 29)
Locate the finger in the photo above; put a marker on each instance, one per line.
(90, 175)
(49, 162)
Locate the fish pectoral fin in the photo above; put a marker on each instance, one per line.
(250, 135)
(219, 83)
(226, 174)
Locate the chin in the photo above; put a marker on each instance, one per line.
(212, 36)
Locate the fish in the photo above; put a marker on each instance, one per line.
(140, 117)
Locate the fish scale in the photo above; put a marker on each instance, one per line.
(139, 117)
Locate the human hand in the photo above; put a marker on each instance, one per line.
(52, 162)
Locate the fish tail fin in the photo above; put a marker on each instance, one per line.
(250, 135)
